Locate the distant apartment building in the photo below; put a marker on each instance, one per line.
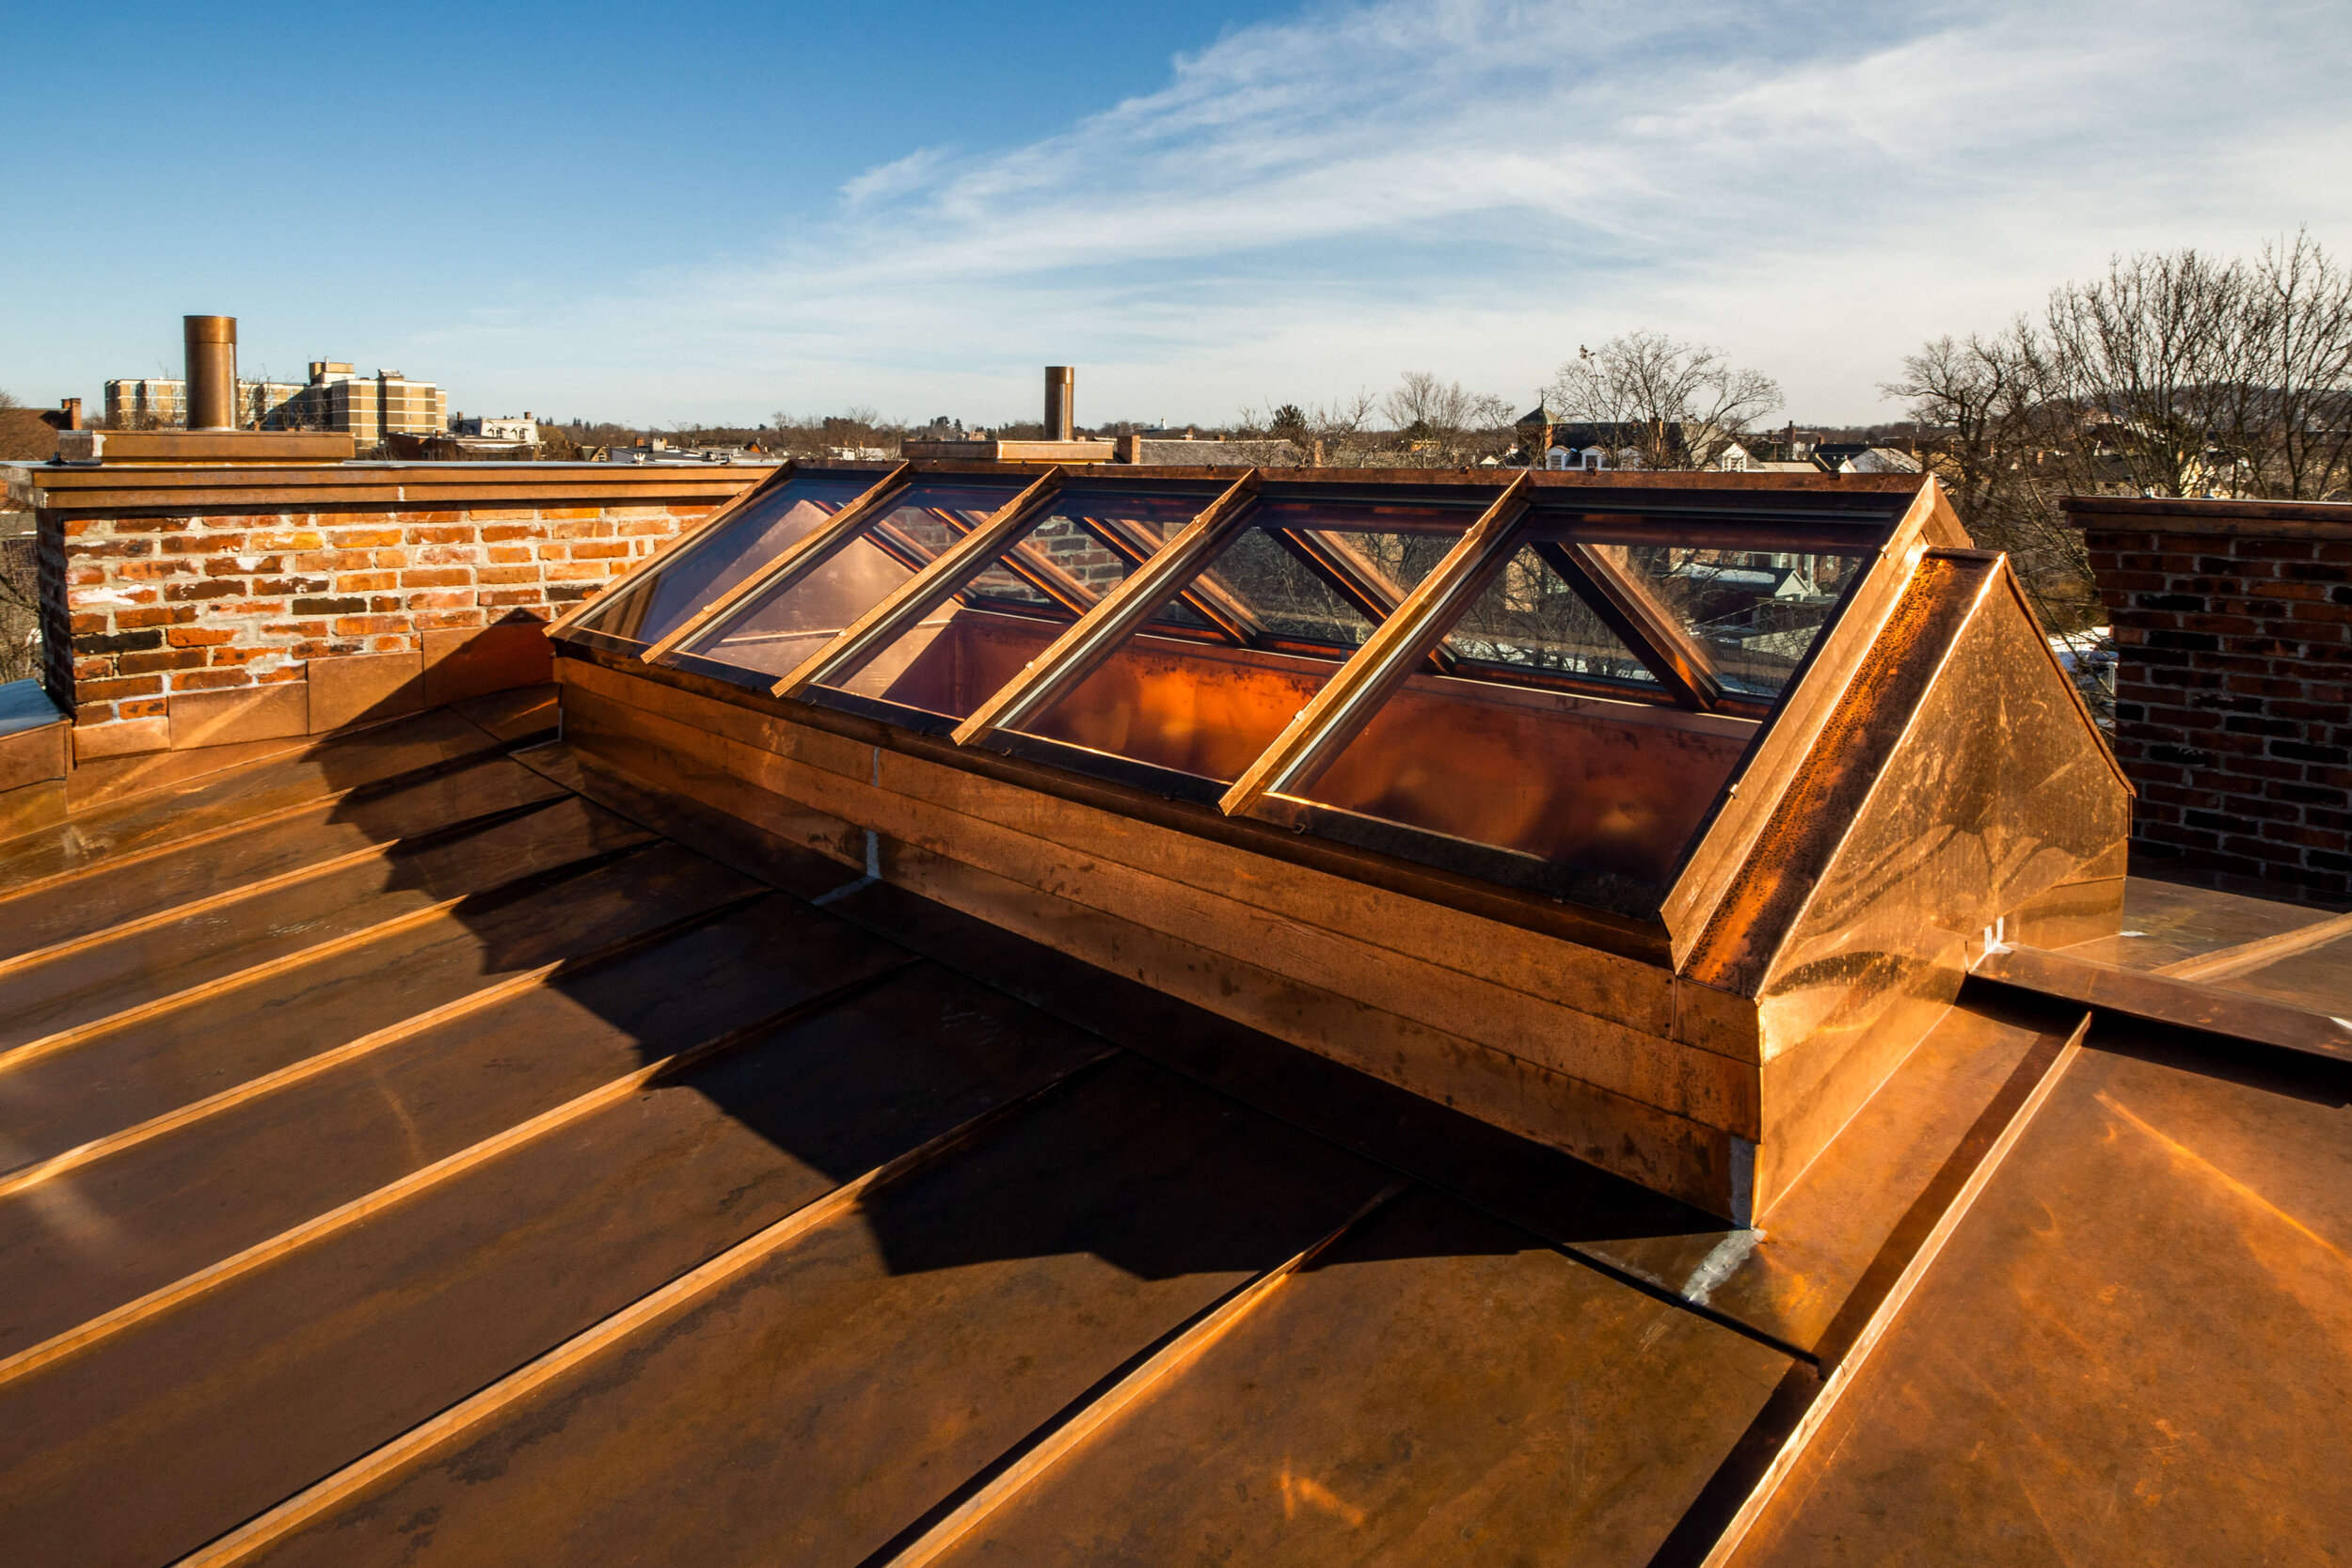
(156, 404)
(370, 407)
(335, 398)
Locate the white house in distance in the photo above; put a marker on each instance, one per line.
(523, 432)
(1594, 447)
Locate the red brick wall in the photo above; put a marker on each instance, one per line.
(2233, 689)
(206, 627)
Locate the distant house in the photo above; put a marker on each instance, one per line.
(1596, 447)
(523, 432)
(1860, 457)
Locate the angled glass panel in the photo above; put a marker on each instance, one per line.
(778, 630)
(1575, 782)
(1756, 612)
(651, 609)
(1001, 618)
(1559, 764)
(1751, 577)
(1190, 708)
(1530, 623)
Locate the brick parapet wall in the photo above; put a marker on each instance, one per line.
(179, 620)
(2234, 687)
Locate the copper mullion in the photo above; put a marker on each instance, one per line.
(654, 565)
(1349, 698)
(1646, 628)
(1346, 572)
(1081, 650)
(1032, 566)
(930, 588)
(1218, 608)
(803, 554)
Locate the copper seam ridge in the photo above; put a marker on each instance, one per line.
(421, 1439)
(293, 1072)
(1849, 1366)
(382, 850)
(259, 819)
(1097, 1412)
(65, 1039)
(293, 744)
(106, 1324)
(1905, 536)
(2226, 963)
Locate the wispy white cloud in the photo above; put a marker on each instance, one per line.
(1475, 186)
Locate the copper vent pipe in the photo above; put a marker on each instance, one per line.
(1062, 383)
(212, 342)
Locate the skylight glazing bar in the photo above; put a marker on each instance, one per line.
(1355, 578)
(1349, 698)
(801, 556)
(1217, 608)
(1640, 622)
(713, 524)
(1081, 650)
(1022, 561)
(924, 592)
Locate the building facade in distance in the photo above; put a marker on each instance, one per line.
(155, 403)
(335, 398)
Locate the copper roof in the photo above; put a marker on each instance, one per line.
(415, 1159)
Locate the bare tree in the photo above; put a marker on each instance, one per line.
(1671, 405)
(2294, 436)
(1985, 433)
(2149, 362)
(1441, 424)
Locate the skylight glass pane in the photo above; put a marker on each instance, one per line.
(1530, 619)
(1209, 710)
(962, 654)
(1285, 597)
(782, 626)
(1189, 706)
(708, 572)
(1754, 612)
(1599, 785)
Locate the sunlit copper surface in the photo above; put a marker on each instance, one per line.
(950, 663)
(212, 369)
(1197, 710)
(1607, 786)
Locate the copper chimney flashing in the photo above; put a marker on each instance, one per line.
(1060, 402)
(212, 346)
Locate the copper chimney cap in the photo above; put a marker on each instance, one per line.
(212, 359)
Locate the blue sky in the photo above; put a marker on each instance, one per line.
(717, 212)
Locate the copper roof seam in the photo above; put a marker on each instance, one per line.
(1099, 1406)
(493, 746)
(1849, 1364)
(268, 884)
(308, 1067)
(2226, 963)
(318, 1227)
(2242, 1017)
(65, 1039)
(316, 1500)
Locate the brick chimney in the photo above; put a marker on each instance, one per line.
(2234, 687)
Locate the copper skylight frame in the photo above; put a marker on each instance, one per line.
(1408, 630)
